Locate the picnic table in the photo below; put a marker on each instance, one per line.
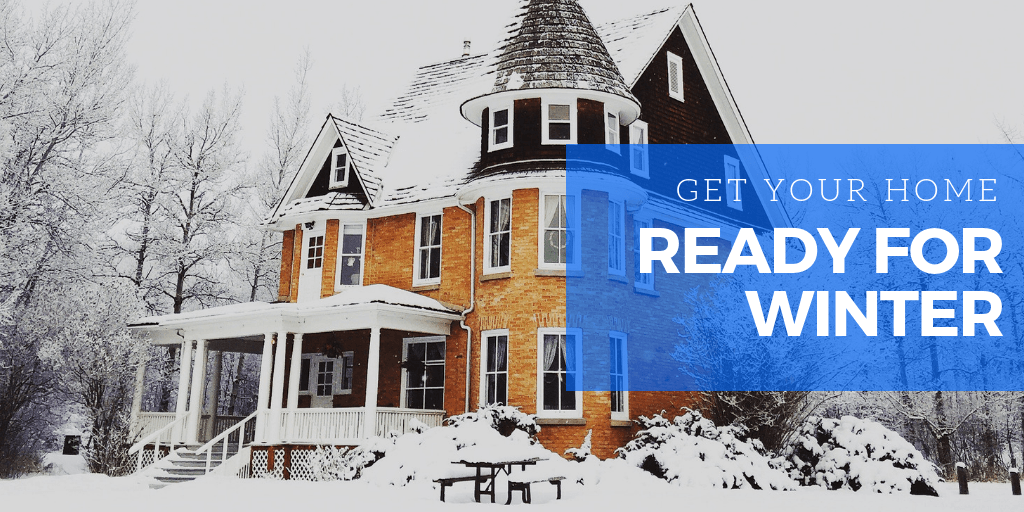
(486, 472)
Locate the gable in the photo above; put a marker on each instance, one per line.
(321, 184)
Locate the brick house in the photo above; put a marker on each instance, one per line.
(426, 254)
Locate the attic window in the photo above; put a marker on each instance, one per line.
(639, 159)
(611, 130)
(675, 76)
(501, 128)
(340, 166)
(559, 122)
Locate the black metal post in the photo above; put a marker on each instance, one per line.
(1015, 482)
(961, 476)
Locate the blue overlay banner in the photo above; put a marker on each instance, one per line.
(791, 267)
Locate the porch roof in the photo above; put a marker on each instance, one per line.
(355, 308)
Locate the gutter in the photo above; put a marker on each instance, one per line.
(472, 297)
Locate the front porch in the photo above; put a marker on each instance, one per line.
(331, 371)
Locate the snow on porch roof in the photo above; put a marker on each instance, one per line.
(349, 298)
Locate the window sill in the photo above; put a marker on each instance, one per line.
(618, 279)
(561, 421)
(622, 423)
(426, 287)
(646, 291)
(496, 275)
(553, 272)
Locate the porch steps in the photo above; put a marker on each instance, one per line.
(183, 466)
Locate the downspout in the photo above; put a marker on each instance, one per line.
(472, 297)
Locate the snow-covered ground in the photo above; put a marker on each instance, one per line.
(620, 489)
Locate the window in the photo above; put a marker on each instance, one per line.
(350, 259)
(611, 130)
(494, 362)
(558, 122)
(616, 238)
(640, 280)
(734, 195)
(323, 377)
(501, 128)
(558, 222)
(675, 76)
(559, 362)
(315, 252)
(639, 158)
(340, 165)
(428, 250)
(619, 369)
(424, 373)
(499, 235)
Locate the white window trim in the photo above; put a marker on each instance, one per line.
(573, 125)
(416, 280)
(488, 269)
(326, 401)
(638, 136)
(577, 208)
(337, 266)
(483, 362)
(637, 284)
(578, 411)
(622, 246)
(673, 58)
(348, 167)
(615, 145)
(405, 356)
(624, 415)
(491, 146)
(731, 191)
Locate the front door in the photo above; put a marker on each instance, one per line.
(312, 266)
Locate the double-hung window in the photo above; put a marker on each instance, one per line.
(428, 250)
(611, 130)
(616, 238)
(639, 158)
(500, 128)
(494, 386)
(498, 244)
(558, 121)
(559, 361)
(640, 280)
(350, 255)
(675, 76)
(340, 166)
(424, 373)
(734, 183)
(559, 221)
(619, 370)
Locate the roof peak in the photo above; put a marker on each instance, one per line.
(553, 45)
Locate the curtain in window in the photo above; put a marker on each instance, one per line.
(550, 351)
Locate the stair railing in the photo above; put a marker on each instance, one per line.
(242, 429)
(165, 434)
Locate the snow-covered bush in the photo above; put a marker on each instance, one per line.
(503, 418)
(582, 453)
(691, 451)
(858, 454)
(329, 463)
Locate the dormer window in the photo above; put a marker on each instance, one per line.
(611, 130)
(559, 121)
(340, 166)
(501, 128)
(675, 76)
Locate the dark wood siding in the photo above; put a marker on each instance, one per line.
(322, 184)
(526, 145)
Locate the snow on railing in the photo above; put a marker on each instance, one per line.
(397, 420)
(337, 426)
(240, 435)
(166, 435)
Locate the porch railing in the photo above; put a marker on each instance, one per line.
(150, 422)
(165, 436)
(345, 425)
(398, 420)
(229, 442)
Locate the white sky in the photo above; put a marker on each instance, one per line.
(802, 72)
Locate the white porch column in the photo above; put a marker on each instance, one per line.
(263, 399)
(184, 372)
(372, 378)
(213, 393)
(140, 386)
(293, 383)
(277, 392)
(195, 406)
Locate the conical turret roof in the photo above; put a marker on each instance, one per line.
(554, 45)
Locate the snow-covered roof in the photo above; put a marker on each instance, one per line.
(370, 150)
(554, 45)
(632, 42)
